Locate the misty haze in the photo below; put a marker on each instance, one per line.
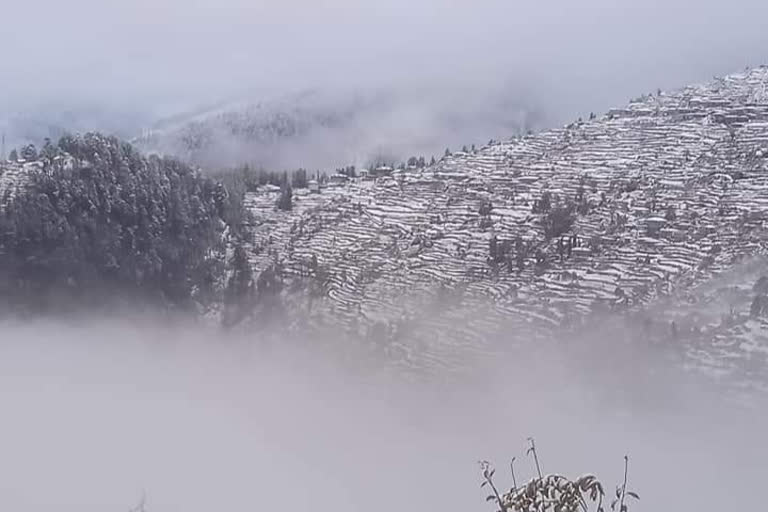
(492, 255)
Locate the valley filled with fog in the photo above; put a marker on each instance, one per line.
(98, 412)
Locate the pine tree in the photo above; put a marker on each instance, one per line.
(13, 155)
(285, 201)
(493, 248)
(299, 179)
(239, 294)
(49, 150)
(29, 152)
(670, 214)
(241, 281)
(544, 204)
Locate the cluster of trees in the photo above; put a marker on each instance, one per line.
(30, 153)
(285, 200)
(514, 252)
(349, 171)
(249, 178)
(557, 217)
(98, 217)
(464, 149)
(239, 294)
(417, 162)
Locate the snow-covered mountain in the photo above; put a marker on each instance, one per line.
(652, 216)
(322, 129)
(645, 223)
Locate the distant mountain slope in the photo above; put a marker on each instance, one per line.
(318, 129)
(635, 213)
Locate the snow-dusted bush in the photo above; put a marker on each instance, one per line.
(553, 492)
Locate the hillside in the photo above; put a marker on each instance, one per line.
(90, 220)
(652, 215)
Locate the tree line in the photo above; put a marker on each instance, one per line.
(96, 220)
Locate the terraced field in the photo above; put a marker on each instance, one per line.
(671, 199)
(647, 223)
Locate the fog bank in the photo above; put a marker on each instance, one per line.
(96, 412)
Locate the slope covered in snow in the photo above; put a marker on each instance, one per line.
(637, 213)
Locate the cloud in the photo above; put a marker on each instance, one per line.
(580, 56)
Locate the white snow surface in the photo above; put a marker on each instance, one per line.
(410, 251)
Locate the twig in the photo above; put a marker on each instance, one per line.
(514, 480)
(488, 476)
(535, 456)
(624, 485)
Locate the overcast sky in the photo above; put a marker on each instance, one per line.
(579, 55)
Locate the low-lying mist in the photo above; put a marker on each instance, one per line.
(98, 412)
(323, 129)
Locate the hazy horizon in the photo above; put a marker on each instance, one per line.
(144, 61)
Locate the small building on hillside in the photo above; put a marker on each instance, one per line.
(314, 187)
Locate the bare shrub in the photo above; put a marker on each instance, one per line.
(553, 492)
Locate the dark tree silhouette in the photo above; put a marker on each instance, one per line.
(285, 201)
(112, 220)
(29, 152)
